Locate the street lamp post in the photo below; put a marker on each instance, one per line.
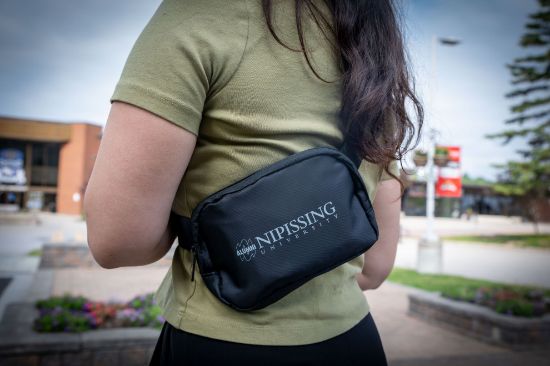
(430, 248)
(430, 189)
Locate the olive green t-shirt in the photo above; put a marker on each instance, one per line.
(212, 68)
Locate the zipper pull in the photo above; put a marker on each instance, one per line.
(194, 251)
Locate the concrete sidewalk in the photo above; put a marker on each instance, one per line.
(494, 262)
(415, 226)
(119, 284)
(407, 340)
(410, 341)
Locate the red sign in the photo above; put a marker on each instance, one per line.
(449, 180)
(454, 153)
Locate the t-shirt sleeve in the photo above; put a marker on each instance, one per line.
(187, 51)
(393, 168)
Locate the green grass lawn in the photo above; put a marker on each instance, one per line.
(35, 253)
(503, 298)
(522, 240)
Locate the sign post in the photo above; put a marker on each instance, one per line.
(447, 185)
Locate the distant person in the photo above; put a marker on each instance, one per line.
(210, 94)
(469, 213)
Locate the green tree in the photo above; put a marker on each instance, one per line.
(529, 176)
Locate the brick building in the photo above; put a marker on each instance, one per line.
(45, 165)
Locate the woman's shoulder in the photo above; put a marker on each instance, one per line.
(197, 7)
(198, 18)
(187, 50)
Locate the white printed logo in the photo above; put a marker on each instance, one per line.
(293, 229)
(246, 250)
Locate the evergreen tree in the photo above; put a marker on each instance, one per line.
(529, 177)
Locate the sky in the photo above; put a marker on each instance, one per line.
(61, 59)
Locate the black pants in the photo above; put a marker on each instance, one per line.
(361, 345)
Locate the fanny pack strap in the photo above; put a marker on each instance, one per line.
(183, 224)
(347, 150)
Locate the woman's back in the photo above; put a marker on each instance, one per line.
(213, 68)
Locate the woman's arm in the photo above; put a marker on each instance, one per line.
(380, 257)
(141, 160)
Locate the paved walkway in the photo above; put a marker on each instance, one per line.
(407, 340)
(120, 284)
(16, 240)
(415, 226)
(53, 228)
(500, 263)
(410, 341)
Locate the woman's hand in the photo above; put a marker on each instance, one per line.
(379, 259)
(141, 160)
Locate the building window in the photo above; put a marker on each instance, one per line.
(44, 163)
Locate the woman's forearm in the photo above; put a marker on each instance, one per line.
(379, 259)
(378, 263)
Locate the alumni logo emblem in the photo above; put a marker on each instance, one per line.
(246, 250)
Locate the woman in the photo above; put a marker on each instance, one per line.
(214, 90)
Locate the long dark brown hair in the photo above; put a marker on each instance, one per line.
(376, 80)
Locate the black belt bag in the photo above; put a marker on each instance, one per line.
(270, 232)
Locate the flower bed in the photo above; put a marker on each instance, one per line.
(521, 301)
(509, 301)
(69, 313)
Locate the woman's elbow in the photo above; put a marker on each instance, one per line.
(108, 247)
(115, 244)
(106, 263)
(101, 254)
(101, 248)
